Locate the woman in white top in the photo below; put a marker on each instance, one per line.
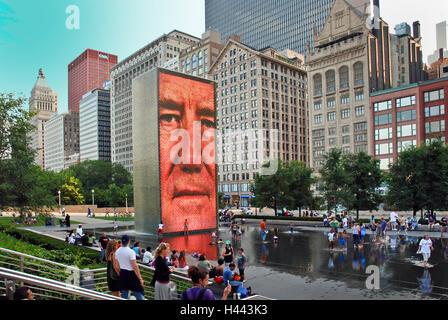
(425, 247)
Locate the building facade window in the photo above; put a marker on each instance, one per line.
(331, 116)
(318, 105)
(404, 102)
(383, 119)
(434, 111)
(345, 113)
(381, 106)
(408, 115)
(406, 144)
(359, 111)
(436, 126)
(358, 73)
(383, 148)
(331, 103)
(383, 134)
(317, 84)
(331, 81)
(406, 131)
(434, 95)
(344, 77)
(345, 99)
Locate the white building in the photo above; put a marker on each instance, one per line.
(94, 124)
(54, 143)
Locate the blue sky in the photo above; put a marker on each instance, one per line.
(33, 34)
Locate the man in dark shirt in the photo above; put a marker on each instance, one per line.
(104, 240)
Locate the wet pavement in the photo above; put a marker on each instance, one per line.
(300, 265)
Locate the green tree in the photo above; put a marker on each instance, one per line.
(334, 180)
(270, 190)
(18, 187)
(289, 187)
(299, 180)
(364, 177)
(71, 191)
(419, 178)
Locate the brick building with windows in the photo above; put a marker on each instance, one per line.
(407, 116)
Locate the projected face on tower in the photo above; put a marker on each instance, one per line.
(187, 153)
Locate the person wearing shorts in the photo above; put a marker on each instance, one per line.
(425, 247)
(355, 231)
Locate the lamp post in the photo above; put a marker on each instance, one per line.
(60, 209)
(93, 197)
(126, 195)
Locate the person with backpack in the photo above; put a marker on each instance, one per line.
(199, 291)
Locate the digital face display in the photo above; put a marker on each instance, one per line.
(187, 153)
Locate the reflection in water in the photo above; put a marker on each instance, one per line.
(304, 254)
(425, 281)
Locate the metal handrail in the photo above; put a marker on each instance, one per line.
(38, 259)
(59, 287)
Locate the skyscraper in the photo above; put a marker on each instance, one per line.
(44, 101)
(281, 24)
(94, 125)
(87, 72)
(155, 54)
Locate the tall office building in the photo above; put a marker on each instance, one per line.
(441, 43)
(281, 24)
(261, 114)
(87, 72)
(407, 55)
(198, 59)
(61, 141)
(94, 125)
(44, 101)
(349, 61)
(155, 54)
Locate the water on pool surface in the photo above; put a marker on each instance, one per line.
(300, 265)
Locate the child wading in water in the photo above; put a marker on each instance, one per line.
(342, 242)
(331, 238)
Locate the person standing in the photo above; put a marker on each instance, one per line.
(263, 230)
(355, 232)
(444, 225)
(63, 212)
(130, 278)
(107, 213)
(228, 253)
(88, 212)
(393, 220)
(115, 226)
(137, 250)
(113, 269)
(403, 225)
(162, 273)
(103, 240)
(67, 220)
(383, 227)
(425, 248)
(186, 227)
(79, 234)
(242, 264)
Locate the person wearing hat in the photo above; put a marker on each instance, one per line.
(227, 253)
(130, 278)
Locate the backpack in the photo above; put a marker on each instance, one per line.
(184, 295)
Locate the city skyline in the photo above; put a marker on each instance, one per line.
(33, 36)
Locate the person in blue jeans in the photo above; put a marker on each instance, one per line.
(228, 275)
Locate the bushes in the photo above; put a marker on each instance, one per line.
(48, 248)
